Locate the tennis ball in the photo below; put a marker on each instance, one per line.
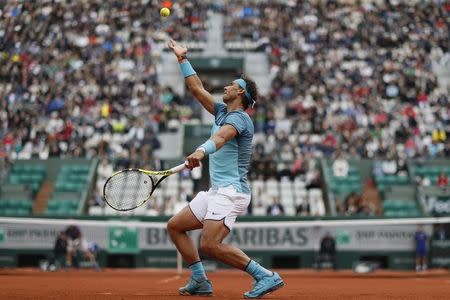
(164, 12)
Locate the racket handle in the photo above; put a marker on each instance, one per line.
(179, 168)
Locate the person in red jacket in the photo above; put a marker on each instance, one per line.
(442, 180)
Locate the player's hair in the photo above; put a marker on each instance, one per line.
(252, 89)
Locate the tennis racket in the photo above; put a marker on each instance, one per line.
(130, 188)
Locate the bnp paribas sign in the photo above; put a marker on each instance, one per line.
(269, 238)
(246, 238)
(296, 237)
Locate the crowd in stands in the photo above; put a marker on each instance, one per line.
(80, 78)
(352, 77)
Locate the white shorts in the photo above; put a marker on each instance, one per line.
(224, 203)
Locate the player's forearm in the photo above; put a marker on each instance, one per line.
(193, 82)
(195, 85)
(225, 134)
(219, 140)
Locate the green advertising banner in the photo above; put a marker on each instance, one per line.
(123, 240)
(343, 237)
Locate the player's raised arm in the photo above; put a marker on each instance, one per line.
(193, 82)
(220, 138)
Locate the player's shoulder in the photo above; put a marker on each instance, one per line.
(243, 115)
(240, 119)
(219, 108)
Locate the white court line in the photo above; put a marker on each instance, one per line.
(142, 294)
(167, 280)
(106, 293)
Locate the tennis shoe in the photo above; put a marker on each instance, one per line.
(264, 286)
(196, 288)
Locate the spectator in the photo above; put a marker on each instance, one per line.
(421, 239)
(297, 166)
(423, 181)
(340, 166)
(327, 251)
(317, 205)
(442, 180)
(377, 167)
(276, 208)
(352, 204)
(104, 171)
(371, 199)
(313, 180)
(303, 208)
(402, 166)
(389, 165)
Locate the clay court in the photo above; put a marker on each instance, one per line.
(162, 284)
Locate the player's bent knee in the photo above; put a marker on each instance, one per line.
(208, 247)
(173, 226)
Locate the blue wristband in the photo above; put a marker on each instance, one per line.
(187, 69)
(209, 146)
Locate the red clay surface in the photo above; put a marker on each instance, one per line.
(163, 284)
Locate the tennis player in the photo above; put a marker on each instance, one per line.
(229, 151)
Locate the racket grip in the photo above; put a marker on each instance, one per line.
(179, 168)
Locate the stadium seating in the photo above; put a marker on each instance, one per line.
(400, 208)
(343, 186)
(28, 175)
(391, 181)
(17, 207)
(70, 183)
(22, 183)
(289, 193)
(430, 171)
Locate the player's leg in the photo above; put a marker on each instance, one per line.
(189, 218)
(214, 231)
(178, 226)
(223, 210)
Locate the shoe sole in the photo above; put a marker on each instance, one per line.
(186, 293)
(269, 291)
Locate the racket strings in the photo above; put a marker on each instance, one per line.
(129, 189)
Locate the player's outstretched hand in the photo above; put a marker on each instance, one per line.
(193, 160)
(178, 50)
